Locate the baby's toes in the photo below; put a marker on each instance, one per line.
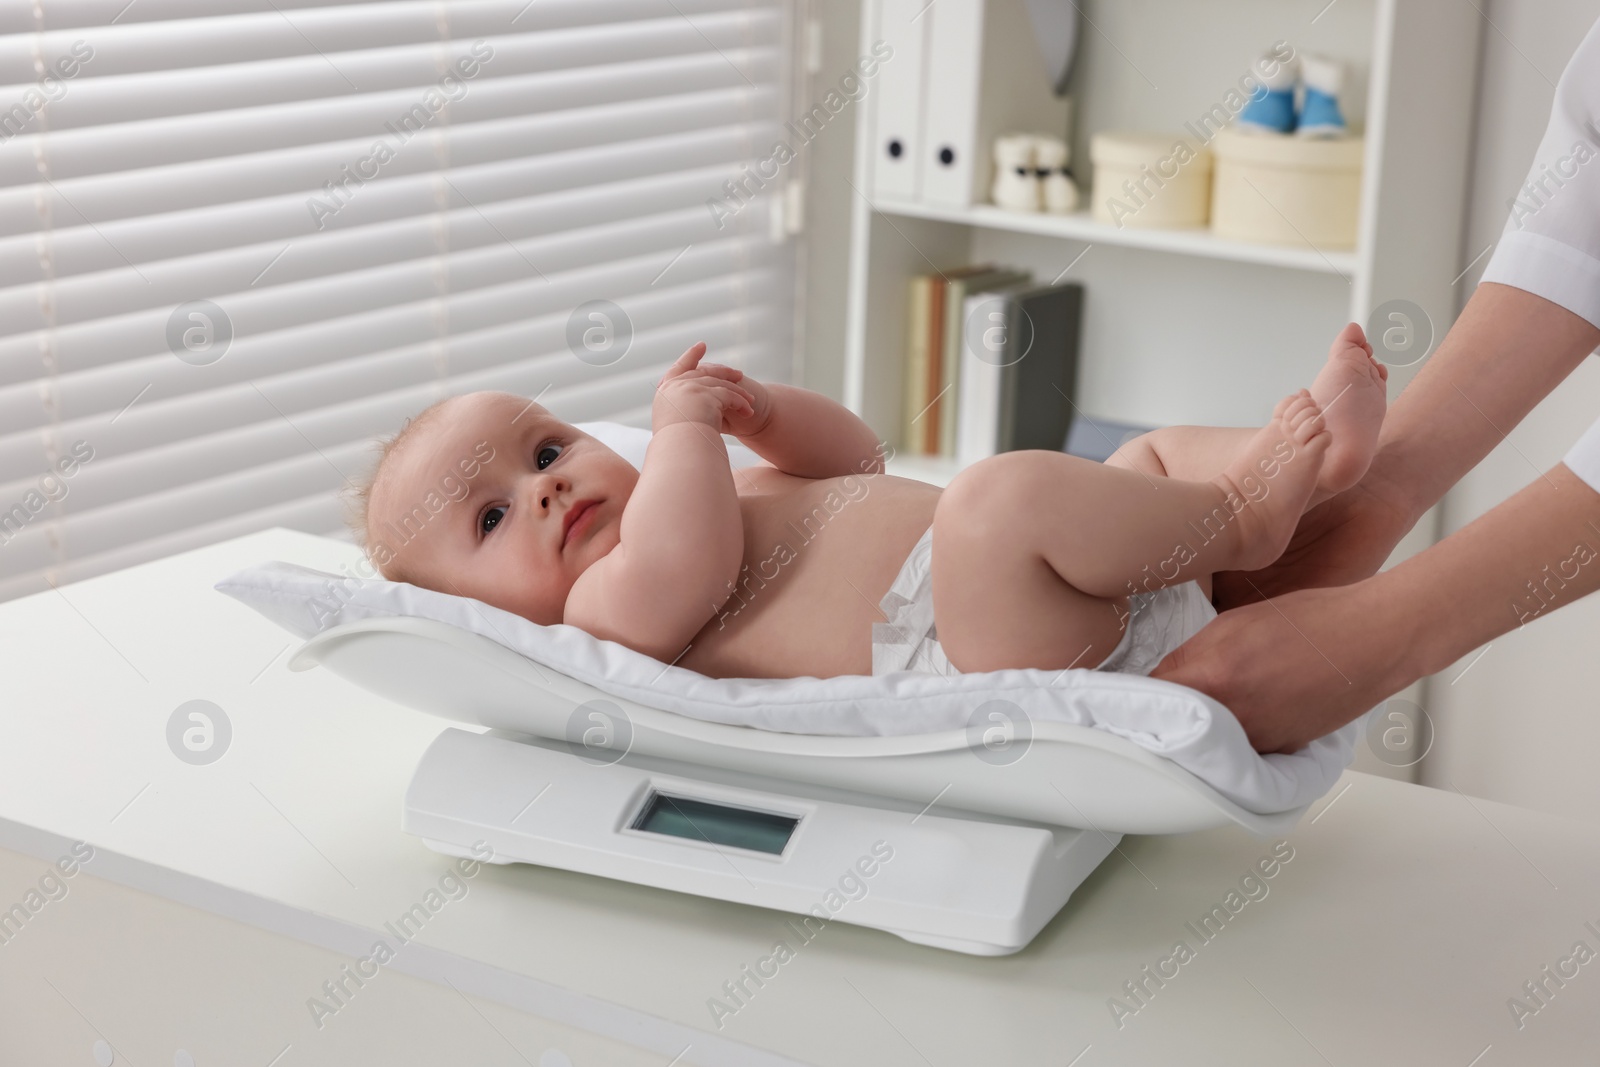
(1352, 336)
(1306, 420)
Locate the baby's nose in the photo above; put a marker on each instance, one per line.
(551, 486)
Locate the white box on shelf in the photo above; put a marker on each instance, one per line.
(1286, 190)
(1151, 180)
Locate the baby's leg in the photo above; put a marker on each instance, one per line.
(1193, 453)
(1035, 552)
(1352, 393)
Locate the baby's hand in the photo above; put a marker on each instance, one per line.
(707, 394)
(742, 423)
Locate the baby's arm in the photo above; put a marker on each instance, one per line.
(801, 432)
(682, 535)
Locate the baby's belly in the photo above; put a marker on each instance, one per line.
(819, 555)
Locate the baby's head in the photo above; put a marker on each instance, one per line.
(475, 497)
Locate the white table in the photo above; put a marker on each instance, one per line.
(1398, 932)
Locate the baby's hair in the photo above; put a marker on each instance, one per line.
(357, 497)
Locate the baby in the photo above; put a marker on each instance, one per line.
(820, 563)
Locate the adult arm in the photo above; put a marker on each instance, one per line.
(1313, 658)
(1304, 664)
(1322, 651)
(1504, 354)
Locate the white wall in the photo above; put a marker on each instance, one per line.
(1523, 724)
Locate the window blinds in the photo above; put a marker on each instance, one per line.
(239, 239)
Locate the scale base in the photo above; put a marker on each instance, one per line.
(958, 881)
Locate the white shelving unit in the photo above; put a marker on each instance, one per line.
(1180, 326)
(1081, 226)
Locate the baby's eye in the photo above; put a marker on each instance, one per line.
(487, 523)
(539, 456)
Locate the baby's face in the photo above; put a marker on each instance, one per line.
(511, 539)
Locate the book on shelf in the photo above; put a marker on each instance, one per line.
(915, 385)
(927, 417)
(1019, 369)
(1037, 395)
(985, 278)
(991, 362)
(933, 342)
(984, 316)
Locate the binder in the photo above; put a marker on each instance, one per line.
(985, 76)
(897, 99)
(955, 43)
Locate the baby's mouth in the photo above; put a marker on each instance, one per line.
(578, 513)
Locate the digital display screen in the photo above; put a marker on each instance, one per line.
(719, 824)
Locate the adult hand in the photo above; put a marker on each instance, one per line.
(1343, 540)
(1296, 667)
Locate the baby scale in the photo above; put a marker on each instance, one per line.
(917, 835)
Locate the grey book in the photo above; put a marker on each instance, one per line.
(1038, 390)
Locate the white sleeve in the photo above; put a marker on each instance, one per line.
(1551, 243)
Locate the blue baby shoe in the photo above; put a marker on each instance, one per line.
(1319, 114)
(1269, 110)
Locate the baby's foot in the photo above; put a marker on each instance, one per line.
(1274, 476)
(1354, 400)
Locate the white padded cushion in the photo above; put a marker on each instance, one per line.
(1169, 720)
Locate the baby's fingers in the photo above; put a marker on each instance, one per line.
(732, 374)
(708, 372)
(733, 397)
(685, 362)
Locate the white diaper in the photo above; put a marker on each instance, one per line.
(1158, 623)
